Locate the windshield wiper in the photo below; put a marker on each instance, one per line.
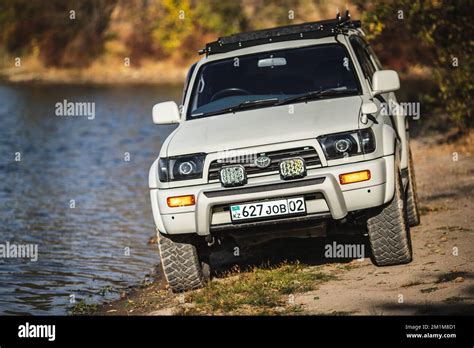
(248, 104)
(316, 94)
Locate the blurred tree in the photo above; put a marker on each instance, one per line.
(437, 33)
(221, 17)
(141, 14)
(65, 32)
(268, 13)
(183, 25)
(174, 24)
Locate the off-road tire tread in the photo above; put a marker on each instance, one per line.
(413, 213)
(389, 233)
(181, 265)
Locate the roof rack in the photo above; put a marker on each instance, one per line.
(310, 30)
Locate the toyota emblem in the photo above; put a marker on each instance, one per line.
(262, 161)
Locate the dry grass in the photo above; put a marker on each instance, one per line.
(262, 290)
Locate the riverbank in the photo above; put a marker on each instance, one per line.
(103, 71)
(438, 281)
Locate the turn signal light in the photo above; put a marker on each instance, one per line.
(350, 178)
(180, 201)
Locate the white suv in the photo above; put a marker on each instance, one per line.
(282, 133)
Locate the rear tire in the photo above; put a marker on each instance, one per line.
(182, 265)
(389, 233)
(412, 197)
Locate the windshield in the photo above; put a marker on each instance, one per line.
(268, 78)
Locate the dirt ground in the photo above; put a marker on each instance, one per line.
(439, 280)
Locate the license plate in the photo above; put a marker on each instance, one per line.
(266, 209)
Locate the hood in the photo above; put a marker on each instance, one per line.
(264, 126)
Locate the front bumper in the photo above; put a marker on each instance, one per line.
(325, 197)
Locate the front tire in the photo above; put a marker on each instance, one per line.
(182, 265)
(389, 233)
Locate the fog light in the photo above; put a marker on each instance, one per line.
(233, 176)
(292, 168)
(350, 178)
(180, 201)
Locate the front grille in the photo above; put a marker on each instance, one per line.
(263, 188)
(308, 153)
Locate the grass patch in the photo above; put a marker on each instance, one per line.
(348, 266)
(262, 290)
(83, 308)
(428, 290)
(105, 290)
(448, 277)
(453, 299)
(426, 209)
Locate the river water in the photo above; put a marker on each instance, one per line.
(77, 188)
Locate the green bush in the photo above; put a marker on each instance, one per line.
(438, 34)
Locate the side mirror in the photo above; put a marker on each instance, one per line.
(166, 113)
(368, 108)
(384, 81)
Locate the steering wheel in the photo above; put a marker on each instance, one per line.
(229, 91)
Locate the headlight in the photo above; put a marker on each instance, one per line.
(181, 167)
(348, 144)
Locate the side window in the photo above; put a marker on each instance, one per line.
(370, 53)
(374, 58)
(186, 83)
(363, 57)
